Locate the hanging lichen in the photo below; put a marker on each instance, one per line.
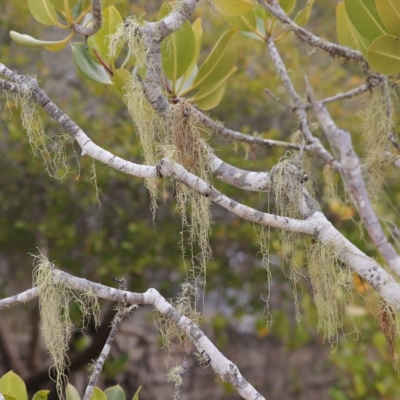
(263, 234)
(52, 150)
(185, 304)
(327, 287)
(287, 179)
(185, 146)
(148, 123)
(375, 128)
(54, 299)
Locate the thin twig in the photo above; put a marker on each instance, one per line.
(230, 134)
(333, 49)
(299, 108)
(96, 24)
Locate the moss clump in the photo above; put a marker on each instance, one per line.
(128, 33)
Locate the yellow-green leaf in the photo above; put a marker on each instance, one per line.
(304, 15)
(198, 35)
(63, 4)
(41, 395)
(187, 79)
(363, 44)
(119, 79)
(178, 52)
(43, 11)
(384, 54)
(244, 22)
(115, 393)
(211, 101)
(100, 41)
(136, 395)
(389, 12)
(11, 384)
(72, 393)
(206, 91)
(107, 3)
(87, 66)
(219, 62)
(288, 5)
(234, 8)
(345, 32)
(29, 41)
(98, 394)
(8, 397)
(365, 18)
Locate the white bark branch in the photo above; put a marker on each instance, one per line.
(18, 299)
(351, 173)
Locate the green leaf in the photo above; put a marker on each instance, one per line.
(234, 8)
(244, 22)
(108, 3)
(178, 52)
(87, 66)
(198, 35)
(63, 4)
(79, 7)
(304, 15)
(363, 44)
(218, 63)
(384, 54)
(211, 101)
(43, 11)
(11, 384)
(288, 5)
(41, 395)
(345, 31)
(100, 41)
(365, 18)
(115, 393)
(119, 79)
(136, 395)
(8, 397)
(210, 96)
(29, 41)
(72, 393)
(389, 12)
(98, 394)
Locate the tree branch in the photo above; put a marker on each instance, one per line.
(230, 134)
(225, 368)
(299, 108)
(97, 21)
(351, 172)
(333, 49)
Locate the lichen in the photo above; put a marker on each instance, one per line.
(54, 299)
